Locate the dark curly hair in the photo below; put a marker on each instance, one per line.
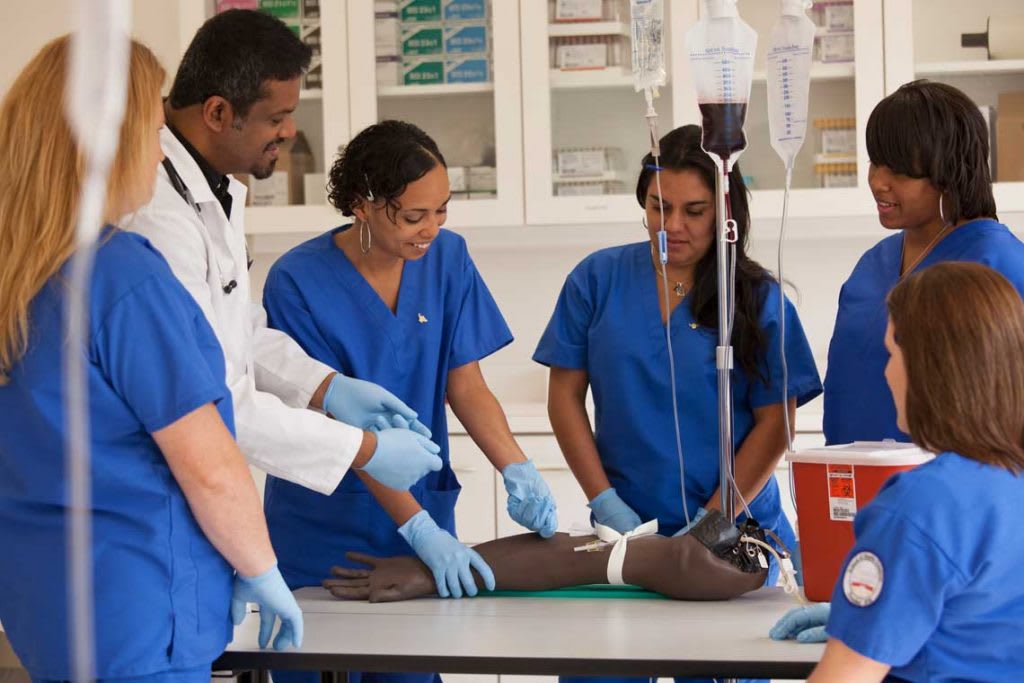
(380, 161)
(681, 150)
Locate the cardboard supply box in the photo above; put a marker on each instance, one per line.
(1010, 137)
(283, 9)
(286, 185)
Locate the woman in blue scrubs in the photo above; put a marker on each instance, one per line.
(174, 507)
(931, 590)
(607, 333)
(930, 177)
(396, 300)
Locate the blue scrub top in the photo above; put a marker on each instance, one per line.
(858, 405)
(607, 322)
(445, 318)
(162, 591)
(948, 603)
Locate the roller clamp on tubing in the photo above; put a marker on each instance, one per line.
(723, 357)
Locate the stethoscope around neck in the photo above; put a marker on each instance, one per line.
(182, 189)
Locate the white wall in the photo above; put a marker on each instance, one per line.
(27, 26)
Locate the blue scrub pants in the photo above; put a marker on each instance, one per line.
(354, 677)
(199, 674)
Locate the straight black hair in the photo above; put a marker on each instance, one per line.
(681, 150)
(379, 162)
(233, 55)
(934, 131)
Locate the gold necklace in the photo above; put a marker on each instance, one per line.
(923, 254)
(678, 287)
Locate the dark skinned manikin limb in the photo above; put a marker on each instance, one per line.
(680, 567)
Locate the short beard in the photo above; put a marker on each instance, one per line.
(263, 172)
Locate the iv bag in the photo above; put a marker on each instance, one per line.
(788, 66)
(721, 48)
(647, 20)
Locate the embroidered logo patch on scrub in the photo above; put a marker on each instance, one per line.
(862, 583)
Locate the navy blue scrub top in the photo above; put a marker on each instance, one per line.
(162, 591)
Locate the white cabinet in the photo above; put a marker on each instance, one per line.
(322, 115)
(476, 510)
(923, 40)
(477, 125)
(542, 96)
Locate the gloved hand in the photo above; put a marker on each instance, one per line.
(359, 403)
(701, 512)
(529, 499)
(402, 458)
(610, 511)
(396, 421)
(269, 591)
(447, 558)
(806, 624)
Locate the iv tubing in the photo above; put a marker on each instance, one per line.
(652, 117)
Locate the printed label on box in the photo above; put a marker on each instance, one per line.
(463, 39)
(420, 10)
(284, 9)
(473, 70)
(586, 56)
(842, 493)
(581, 163)
(417, 40)
(462, 10)
(578, 10)
(422, 72)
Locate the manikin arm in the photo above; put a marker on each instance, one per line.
(679, 567)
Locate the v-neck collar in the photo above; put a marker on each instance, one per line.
(681, 315)
(951, 237)
(365, 291)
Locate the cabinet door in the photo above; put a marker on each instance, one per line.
(294, 200)
(584, 127)
(475, 511)
(456, 77)
(830, 171)
(924, 39)
(547, 456)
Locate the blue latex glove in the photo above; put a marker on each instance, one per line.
(701, 512)
(447, 558)
(806, 624)
(402, 458)
(529, 499)
(610, 511)
(359, 403)
(269, 591)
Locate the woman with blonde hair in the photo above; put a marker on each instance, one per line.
(931, 590)
(174, 509)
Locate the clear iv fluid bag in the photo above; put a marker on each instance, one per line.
(721, 47)
(788, 67)
(647, 18)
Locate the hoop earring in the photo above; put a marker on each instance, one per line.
(942, 215)
(365, 238)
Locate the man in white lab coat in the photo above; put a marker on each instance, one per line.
(229, 110)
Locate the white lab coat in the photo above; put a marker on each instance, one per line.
(271, 378)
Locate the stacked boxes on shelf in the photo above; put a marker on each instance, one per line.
(302, 16)
(588, 52)
(587, 10)
(586, 171)
(427, 42)
(834, 40)
(473, 182)
(836, 163)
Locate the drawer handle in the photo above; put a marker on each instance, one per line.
(464, 470)
(552, 468)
